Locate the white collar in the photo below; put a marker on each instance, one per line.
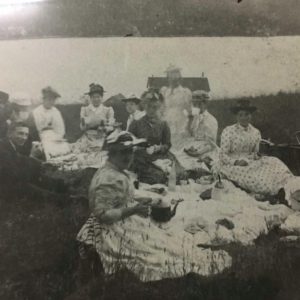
(93, 108)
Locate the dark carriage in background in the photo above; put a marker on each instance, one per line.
(193, 83)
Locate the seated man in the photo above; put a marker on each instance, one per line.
(18, 172)
(157, 133)
(46, 116)
(20, 112)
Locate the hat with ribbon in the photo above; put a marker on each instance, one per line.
(95, 88)
(152, 95)
(200, 95)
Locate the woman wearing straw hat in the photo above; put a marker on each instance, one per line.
(239, 158)
(123, 235)
(47, 117)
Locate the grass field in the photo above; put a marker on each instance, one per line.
(39, 255)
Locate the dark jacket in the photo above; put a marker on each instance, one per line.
(15, 168)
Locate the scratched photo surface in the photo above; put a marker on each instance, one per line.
(149, 149)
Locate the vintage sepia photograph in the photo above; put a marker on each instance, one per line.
(149, 150)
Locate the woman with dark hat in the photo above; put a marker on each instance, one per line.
(95, 118)
(157, 133)
(121, 232)
(96, 114)
(240, 161)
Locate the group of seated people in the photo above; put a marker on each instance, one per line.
(154, 122)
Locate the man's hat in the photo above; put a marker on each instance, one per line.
(243, 105)
(200, 95)
(132, 98)
(21, 99)
(95, 89)
(3, 97)
(50, 92)
(172, 68)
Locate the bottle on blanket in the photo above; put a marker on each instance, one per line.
(172, 179)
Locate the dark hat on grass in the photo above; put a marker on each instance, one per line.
(50, 92)
(96, 88)
(243, 105)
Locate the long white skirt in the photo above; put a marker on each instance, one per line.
(149, 251)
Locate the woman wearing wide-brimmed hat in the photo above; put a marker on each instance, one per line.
(240, 161)
(123, 235)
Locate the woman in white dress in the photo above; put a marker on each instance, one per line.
(122, 234)
(239, 158)
(176, 99)
(95, 119)
(203, 128)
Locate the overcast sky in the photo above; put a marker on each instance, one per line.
(234, 66)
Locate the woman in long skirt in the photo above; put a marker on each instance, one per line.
(124, 237)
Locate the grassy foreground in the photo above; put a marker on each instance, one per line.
(39, 260)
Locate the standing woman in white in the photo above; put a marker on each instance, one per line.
(177, 99)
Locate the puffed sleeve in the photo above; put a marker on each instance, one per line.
(257, 136)
(226, 147)
(59, 124)
(212, 129)
(83, 112)
(106, 195)
(110, 116)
